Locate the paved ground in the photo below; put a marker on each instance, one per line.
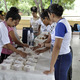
(75, 43)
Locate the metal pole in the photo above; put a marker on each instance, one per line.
(51, 2)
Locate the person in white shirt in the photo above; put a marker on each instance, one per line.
(35, 21)
(61, 54)
(50, 41)
(2, 16)
(10, 21)
(16, 34)
(50, 28)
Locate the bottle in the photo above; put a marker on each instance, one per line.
(28, 37)
(32, 39)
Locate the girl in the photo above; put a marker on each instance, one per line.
(2, 15)
(6, 52)
(35, 22)
(11, 19)
(51, 29)
(61, 55)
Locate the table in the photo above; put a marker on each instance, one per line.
(42, 65)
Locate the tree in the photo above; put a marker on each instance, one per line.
(5, 5)
(8, 4)
(25, 5)
(37, 3)
(67, 4)
(40, 3)
(13, 2)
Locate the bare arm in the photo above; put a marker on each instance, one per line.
(55, 53)
(5, 47)
(39, 29)
(42, 50)
(11, 33)
(35, 47)
(48, 39)
(47, 43)
(9, 46)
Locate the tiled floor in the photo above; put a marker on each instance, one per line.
(75, 43)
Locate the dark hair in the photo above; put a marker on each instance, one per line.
(2, 13)
(43, 10)
(13, 13)
(44, 14)
(56, 9)
(34, 9)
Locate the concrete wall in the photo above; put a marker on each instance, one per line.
(23, 23)
(73, 22)
(26, 23)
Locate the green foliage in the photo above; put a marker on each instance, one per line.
(67, 4)
(25, 5)
(46, 3)
(2, 6)
(9, 3)
(24, 9)
(12, 2)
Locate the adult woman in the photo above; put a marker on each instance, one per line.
(61, 55)
(6, 52)
(11, 19)
(35, 22)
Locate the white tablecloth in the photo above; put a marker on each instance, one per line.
(42, 65)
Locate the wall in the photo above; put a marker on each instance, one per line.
(23, 23)
(73, 22)
(26, 23)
